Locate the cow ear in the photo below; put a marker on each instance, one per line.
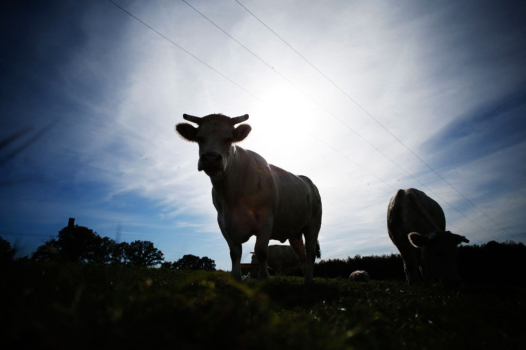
(459, 239)
(186, 131)
(418, 240)
(241, 132)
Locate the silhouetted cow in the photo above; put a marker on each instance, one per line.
(280, 258)
(359, 275)
(252, 197)
(416, 225)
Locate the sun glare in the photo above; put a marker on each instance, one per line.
(282, 120)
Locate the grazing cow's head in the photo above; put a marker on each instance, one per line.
(215, 135)
(439, 253)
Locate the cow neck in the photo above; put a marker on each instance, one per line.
(225, 184)
(233, 184)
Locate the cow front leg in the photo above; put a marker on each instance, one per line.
(261, 250)
(235, 254)
(412, 272)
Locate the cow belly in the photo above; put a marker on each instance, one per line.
(283, 236)
(288, 225)
(251, 213)
(238, 229)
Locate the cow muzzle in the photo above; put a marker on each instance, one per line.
(211, 163)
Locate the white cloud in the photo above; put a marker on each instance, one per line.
(391, 65)
(412, 70)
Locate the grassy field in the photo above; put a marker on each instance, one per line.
(76, 307)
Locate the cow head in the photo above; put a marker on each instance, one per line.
(215, 135)
(439, 254)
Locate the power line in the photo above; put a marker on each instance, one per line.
(260, 59)
(25, 234)
(184, 50)
(312, 99)
(372, 117)
(230, 36)
(329, 112)
(358, 165)
(244, 88)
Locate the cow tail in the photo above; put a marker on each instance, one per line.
(318, 250)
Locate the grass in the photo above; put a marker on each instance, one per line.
(83, 307)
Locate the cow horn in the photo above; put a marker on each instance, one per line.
(192, 119)
(237, 120)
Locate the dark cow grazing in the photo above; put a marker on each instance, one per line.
(417, 226)
(252, 197)
(280, 258)
(359, 275)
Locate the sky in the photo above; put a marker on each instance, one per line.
(363, 97)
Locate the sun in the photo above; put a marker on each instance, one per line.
(280, 125)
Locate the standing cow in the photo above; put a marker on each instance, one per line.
(417, 226)
(279, 258)
(252, 197)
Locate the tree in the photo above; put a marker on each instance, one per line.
(47, 251)
(143, 253)
(7, 253)
(103, 251)
(187, 262)
(167, 265)
(77, 244)
(208, 264)
(192, 262)
(119, 253)
(81, 245)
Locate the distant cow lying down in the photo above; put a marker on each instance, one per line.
(359, 275)
(280, 258)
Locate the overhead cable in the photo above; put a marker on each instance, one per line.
(372, 117)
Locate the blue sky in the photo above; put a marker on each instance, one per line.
(96, 95)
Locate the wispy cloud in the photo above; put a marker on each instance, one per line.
(447, 79)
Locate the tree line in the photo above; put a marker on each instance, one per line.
(79, 244)
(384, 267)
(191, 262)
(491, 263)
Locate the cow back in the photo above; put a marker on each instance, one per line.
(412, 210)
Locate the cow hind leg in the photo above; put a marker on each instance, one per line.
(261, 250)
(311, 246)
(299, 248)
